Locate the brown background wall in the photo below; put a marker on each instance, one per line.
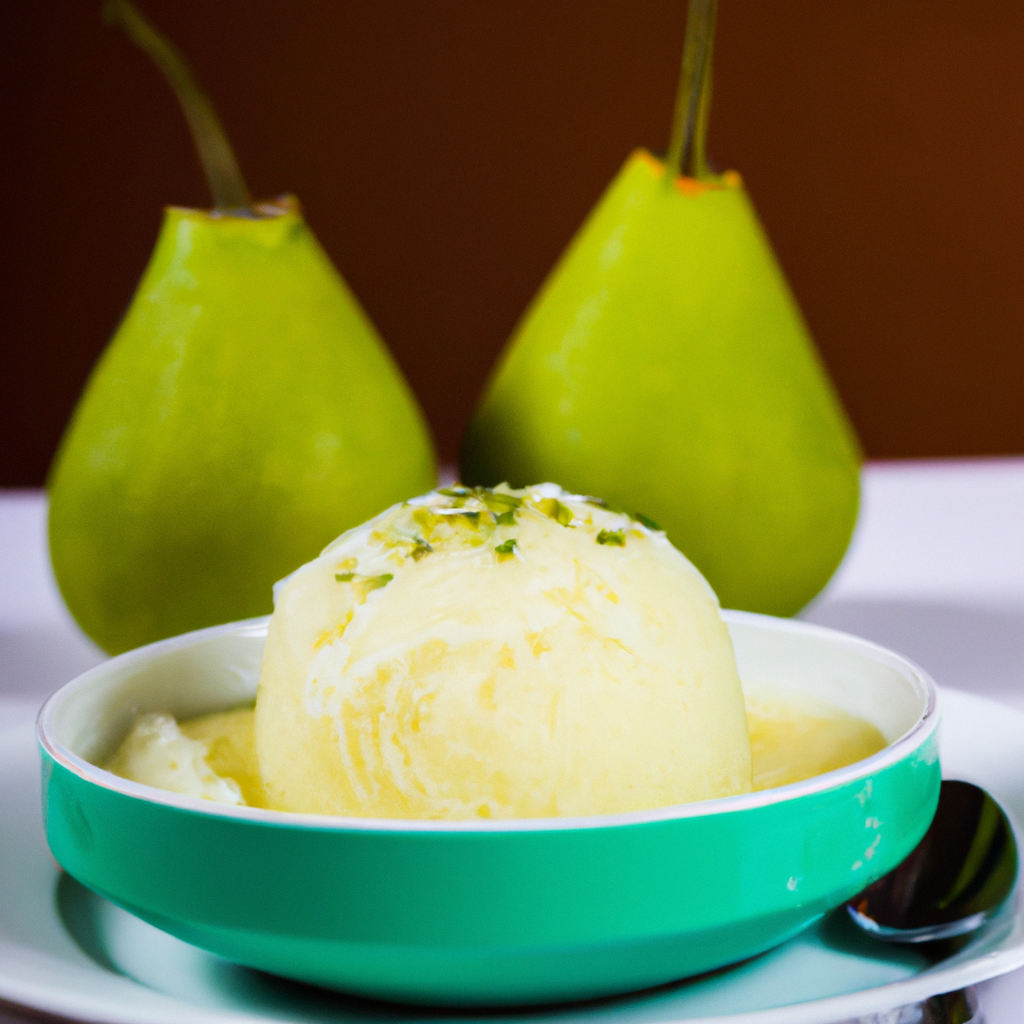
(445, 151)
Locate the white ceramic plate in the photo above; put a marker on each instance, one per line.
(66, 951)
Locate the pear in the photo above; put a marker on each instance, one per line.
(244, 414)
(665, 366)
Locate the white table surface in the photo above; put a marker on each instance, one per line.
(935, 571)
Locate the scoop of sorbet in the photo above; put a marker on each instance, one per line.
(498, 654)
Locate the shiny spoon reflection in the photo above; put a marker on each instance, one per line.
(957, 877)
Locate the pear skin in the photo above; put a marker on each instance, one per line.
(665, 366)
(245, 413)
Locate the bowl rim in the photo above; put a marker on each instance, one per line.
(925, 725)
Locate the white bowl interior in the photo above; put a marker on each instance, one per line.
(191, 675)
(800, 661)
(218, 669)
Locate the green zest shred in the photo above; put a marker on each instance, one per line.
(364, 585)
(419, 548)
(395, 533)
(554, 509)
(614, 537)
(497, 502)
(641, 518)
(501, 506)
(506, 549)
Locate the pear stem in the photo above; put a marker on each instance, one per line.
(218, 159)
(687, 149)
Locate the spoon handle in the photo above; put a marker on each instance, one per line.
(960, 1007)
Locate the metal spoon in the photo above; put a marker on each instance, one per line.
(956, 878)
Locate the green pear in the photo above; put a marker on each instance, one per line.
(665, 366)
(244, 414)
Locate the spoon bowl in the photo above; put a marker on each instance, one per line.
(961, 873)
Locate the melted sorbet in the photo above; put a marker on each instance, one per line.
(789, 742)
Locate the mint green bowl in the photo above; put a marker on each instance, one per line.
(497, 912)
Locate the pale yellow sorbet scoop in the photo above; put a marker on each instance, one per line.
(498, 654)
